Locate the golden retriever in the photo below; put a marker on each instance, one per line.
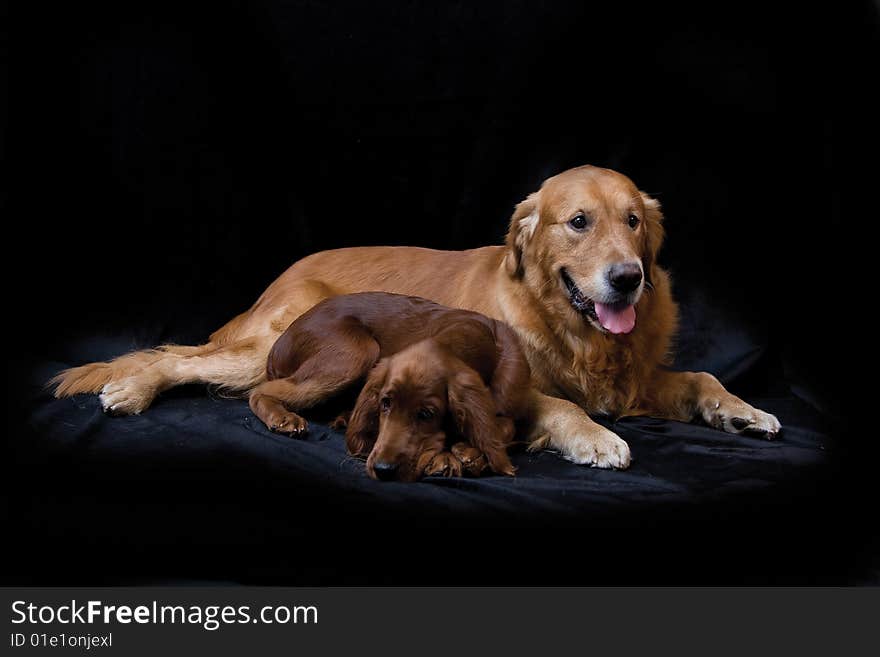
(577, 280)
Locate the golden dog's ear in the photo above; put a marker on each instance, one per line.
(522, 227)
(473, 410)
(363, 425)
(654, 234)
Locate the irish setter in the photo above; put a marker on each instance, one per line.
(431, 373)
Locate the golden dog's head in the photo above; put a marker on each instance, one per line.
(587, 241)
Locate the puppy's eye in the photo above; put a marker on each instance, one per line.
(633, 221)
(385, 403)
(426, 414)
(578, 222)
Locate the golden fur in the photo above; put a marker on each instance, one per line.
(576, 365)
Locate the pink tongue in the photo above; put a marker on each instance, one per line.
(616, 319)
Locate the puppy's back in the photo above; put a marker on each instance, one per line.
(389, 318)
(394, 321)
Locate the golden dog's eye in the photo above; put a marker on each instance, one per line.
(385, 403)
(426, 414)
(578, 222)
(633, 221)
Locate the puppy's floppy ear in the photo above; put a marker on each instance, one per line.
(654, 234)
(522, 227)
(473, 411)
(363, 425)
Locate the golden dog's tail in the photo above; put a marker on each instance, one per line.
(93, 377)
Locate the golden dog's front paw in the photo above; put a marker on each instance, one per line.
(444, 464)
(593, 445)
(566, 428)
(733, 415)
(601, 449)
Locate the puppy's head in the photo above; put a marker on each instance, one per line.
(587, 241)
(400, 418)
(399, 414)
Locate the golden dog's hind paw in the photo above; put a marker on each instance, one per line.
(127, 396)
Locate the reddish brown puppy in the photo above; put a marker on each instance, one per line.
(431, 373)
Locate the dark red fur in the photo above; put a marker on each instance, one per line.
(469, 368)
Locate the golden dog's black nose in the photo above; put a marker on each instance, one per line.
(385, 471)
(625, 276)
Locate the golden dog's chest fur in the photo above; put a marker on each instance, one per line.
(602, 373)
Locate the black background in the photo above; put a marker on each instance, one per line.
(169, 160)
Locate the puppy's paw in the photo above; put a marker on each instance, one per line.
(473, 461)
(340, 423)
(127, 396)
(731, 414)
(444, 464)
(287, 423)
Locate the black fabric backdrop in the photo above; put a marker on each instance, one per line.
(169, 161)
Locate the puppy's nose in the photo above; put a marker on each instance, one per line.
(625, 276)
(385, 471)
